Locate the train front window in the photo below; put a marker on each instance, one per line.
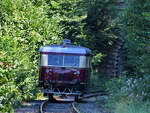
(55, 60)
(72, 61)
(63, 60)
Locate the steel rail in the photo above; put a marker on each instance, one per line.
(42, 106)
(88, 95)
(97, 91)
(75, 110)
(93, 94)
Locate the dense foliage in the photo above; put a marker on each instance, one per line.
(134, 87)
(135, 30)
(24, 27)
(100, 25)
(136, 27)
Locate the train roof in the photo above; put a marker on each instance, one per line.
(65, 48)
(68, 49)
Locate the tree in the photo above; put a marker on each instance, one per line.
(135, 31)
(24, 27)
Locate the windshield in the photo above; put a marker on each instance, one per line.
(63, 60)
(56, 60)
(71, 61)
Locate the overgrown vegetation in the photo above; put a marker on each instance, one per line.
(24, 27)
(132, 107)
(27, 25)
(97, 82)
(128, 92)
(126, 95)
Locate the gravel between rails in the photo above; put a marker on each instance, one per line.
(58, 108)
(92, 105)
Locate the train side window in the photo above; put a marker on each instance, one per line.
(85, 61)
(82, 62)
(55, 60)
(88, 61)
(43, 60)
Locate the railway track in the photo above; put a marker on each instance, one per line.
(58, 107)
(62, 104)
(93, 94)
(66, 105)
(43, 104)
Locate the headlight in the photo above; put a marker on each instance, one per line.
(77, 73)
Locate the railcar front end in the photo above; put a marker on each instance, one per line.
(64, 69)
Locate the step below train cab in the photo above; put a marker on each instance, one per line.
(64, 69)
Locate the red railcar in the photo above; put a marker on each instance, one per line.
(64, 69)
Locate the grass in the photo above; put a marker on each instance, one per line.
(132, 107)
(97, 82)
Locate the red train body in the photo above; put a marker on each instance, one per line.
(64, 69)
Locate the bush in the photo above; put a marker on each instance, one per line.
(126, 89)
(97, 59)
(132, 107)
(97, 81)
(24, 27)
